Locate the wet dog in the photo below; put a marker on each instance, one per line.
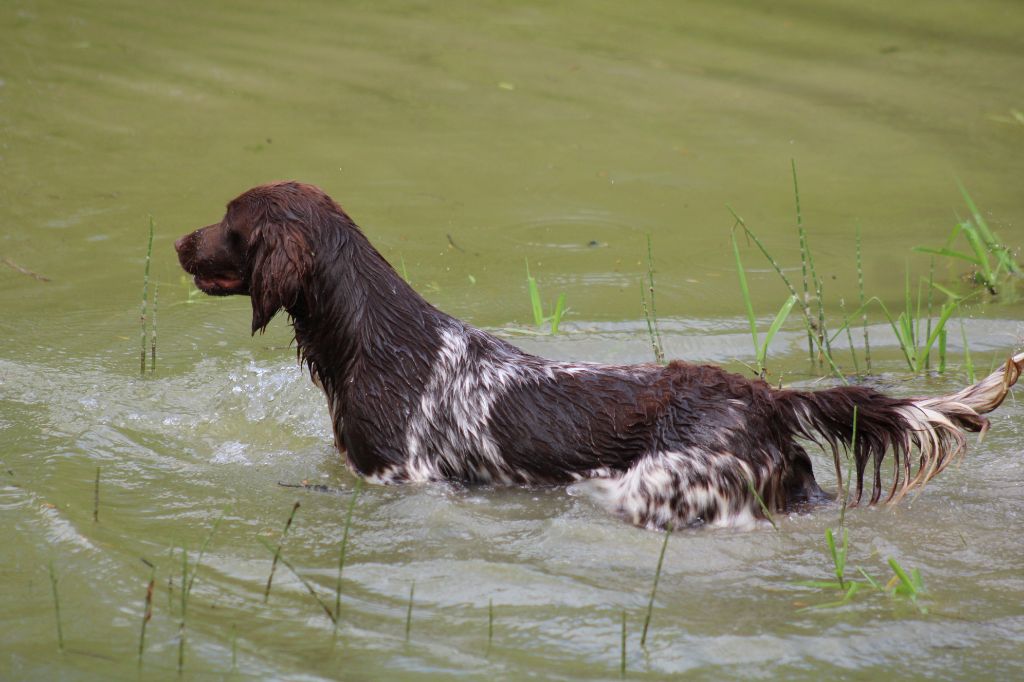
(417, 395)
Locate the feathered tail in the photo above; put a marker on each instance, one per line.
(932, 426)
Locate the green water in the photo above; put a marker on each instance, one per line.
(464, 138)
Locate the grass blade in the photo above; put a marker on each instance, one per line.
(780, 317)
(277, 554)
(622, 654)
(145, 298)
(745, 290)
(654, 587)
(305, 583)
(344, 545)
(56, 607)
(408, 612)
(556, 318)
(538, 310)
(147, 611)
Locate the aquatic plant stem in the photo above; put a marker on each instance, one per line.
(341, 553)
(277, 554)
(96, 498)
(145, 297)
(622, 653)
(295, 572)
(849, 472)
(56, 607)
(147, 610)
(152, 336)
(659, 347)
(408, 613)
(654, 587)
(863, 306)
(490, 623)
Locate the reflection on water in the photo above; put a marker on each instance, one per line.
(465, 138)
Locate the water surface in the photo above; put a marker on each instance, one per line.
(465, 138)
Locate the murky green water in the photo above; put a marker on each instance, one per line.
(562, 133)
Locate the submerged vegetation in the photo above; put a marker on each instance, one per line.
(144, 333)
(539, 318)
(920, 328)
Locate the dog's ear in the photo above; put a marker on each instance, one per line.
(280, 262)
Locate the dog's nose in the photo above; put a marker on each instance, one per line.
(180, 244)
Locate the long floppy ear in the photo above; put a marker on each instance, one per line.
(281, 261)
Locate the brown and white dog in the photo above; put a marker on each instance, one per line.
(417, 395)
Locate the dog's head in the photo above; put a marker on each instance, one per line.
(263, 247)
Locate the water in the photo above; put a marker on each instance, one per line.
(559, 133)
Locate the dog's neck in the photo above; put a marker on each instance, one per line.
(357, 315)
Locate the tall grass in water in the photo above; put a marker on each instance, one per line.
(96, 498)
(909, 586)
(915, 328)
(145, 299)
(344, 547)
(968, 363)
(295, 571)
(408, 612)
(188, 579)
(490, 623)
(56, 607)
(305, 583)
(809, 323)
(863, 307)
(992, 260)
(760, 349)
(654, 587)
(807, 267)
(622, 648)
(915, 346)
(651, 313)
(147, 609)
(277, 553)
(760, 501)
(538, 308)
(152, 335)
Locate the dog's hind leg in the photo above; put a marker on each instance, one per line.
(686, 488)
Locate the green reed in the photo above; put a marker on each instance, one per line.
(863, 306)
(539, 319)
(277, 553)
(907, 585)
(145, 298)
(845, 490)
(188, 579)
(760, 501)
(654, 587)
(622, 649)
(56, 607)
(96, 498)
(147, 609)
(760, 349)
(812, 327)
(490, 623)
(343, 549)
(152, 329)
(408, 612)
(807, 268)
(993, 261)
(968, 363)
(651, 313)
(305, 583)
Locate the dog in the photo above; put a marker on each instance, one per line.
(417, 395)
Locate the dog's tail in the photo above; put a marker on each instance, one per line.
(931, 426)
